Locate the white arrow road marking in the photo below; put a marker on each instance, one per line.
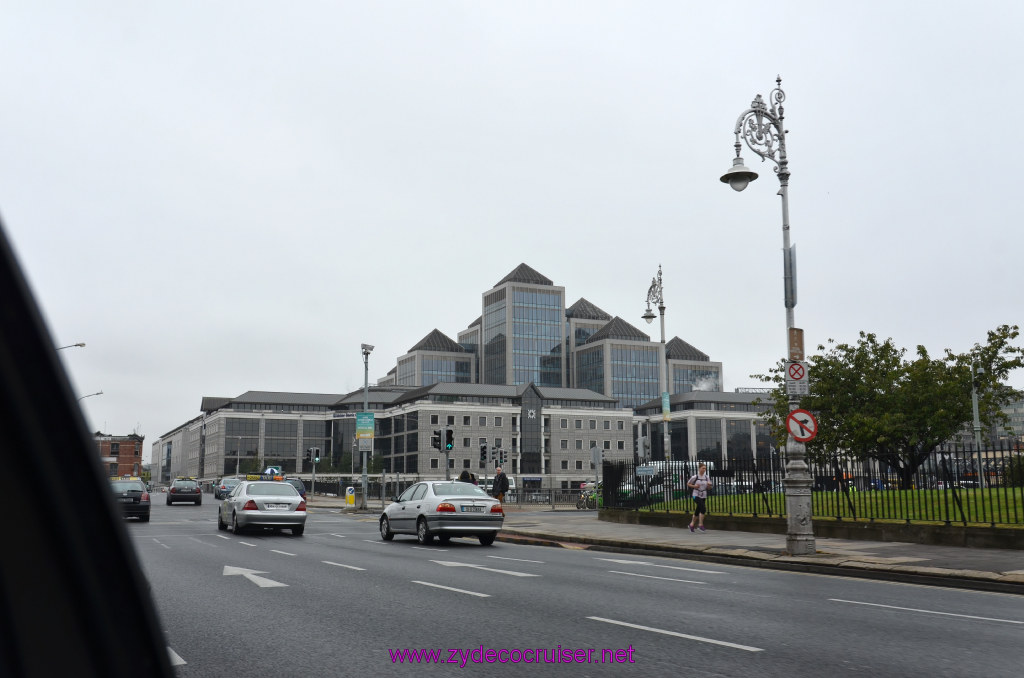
(262, 582)
(351, 567)
(651, 576)
(521, 560)
(748, 648)
(176, 659)
(449, 588)
(448, 563)
(670, 567)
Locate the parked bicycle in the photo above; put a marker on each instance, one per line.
(587, 500)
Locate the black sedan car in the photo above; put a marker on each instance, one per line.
(444, 509)
(184, 489)
(131, 495)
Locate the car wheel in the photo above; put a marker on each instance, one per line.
(199, 502)
(221, 525)
(235, 527)
(444, 538)
(298, 530)
(487, 539)
(385, 529)
(168, 501)
(144, 519)
(423, 535)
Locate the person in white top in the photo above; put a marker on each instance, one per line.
(700, 484)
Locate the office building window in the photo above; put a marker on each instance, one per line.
(565, 464)
(483, 421)
(579, 444)
(465, 420)
(433, 419)
(563, 444)
(497, 421)
(579, 464)
(565, 423)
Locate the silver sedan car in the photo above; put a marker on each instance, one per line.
(263, 503)
(445, 509)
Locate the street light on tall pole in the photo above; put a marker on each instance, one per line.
(367, 349)
(656, 295)
(763, 129)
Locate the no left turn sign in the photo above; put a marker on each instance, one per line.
(802, 425)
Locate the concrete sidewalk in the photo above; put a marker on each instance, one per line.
(974, 568)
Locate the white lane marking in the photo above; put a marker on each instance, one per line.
(521, 560)
(449, 588)
(651, 576)
(426, 548)
(223, 536)
(161, 543)
(251, 575)
(449, 563)
(176, 659)
(200, 541)
(283, 553)
(914, 609)
(351, 567)
(247, 543)
(377, 541)
(723, 643)
(669, 567)
(340, 536)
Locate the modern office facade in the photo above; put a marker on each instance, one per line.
(526, 334)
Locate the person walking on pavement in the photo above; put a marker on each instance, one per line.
(500, 486)
(700, 484)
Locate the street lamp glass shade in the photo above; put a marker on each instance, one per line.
(738, 176)
(648, 316)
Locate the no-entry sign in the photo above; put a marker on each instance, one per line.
(802, 425)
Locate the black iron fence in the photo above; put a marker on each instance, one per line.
(955, 486)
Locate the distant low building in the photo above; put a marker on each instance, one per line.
(120, 455)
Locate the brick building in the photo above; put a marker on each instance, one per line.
(120, 455)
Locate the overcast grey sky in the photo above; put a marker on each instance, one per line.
(228, 196)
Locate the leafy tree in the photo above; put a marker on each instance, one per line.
(1013, 475)
(872, 402)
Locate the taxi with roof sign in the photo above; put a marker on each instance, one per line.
(184, 488)
(132, 496)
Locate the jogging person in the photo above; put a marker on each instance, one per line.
(700, 484)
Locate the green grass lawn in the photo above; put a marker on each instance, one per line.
(998, 506)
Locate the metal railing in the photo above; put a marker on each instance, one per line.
(953, 486)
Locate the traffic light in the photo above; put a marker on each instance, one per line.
(435, 440)
(316, 455)
(449, 439)
(309, 453)
(483, 453)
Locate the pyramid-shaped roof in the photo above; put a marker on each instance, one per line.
(618, 328)
(677, 349)
(437, 341)
(584, 310)
(524, 274)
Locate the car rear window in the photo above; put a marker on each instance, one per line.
(271, 490)
(296, 483)
(127, 486)
(185, 484)
(458, 489)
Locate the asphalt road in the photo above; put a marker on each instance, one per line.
(339, 601)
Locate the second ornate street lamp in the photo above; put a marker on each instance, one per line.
(764, 132)
(655, 295)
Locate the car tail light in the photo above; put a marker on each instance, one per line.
(446, 507)
(250, 506)
(496, 508)
(302, 506)
(144, 497)
(173, 490)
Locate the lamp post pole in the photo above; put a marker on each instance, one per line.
(366, 348)
(238, 454)
(655, 294)
(763, 129)
(975, 372)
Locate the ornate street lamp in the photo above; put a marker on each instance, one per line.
(655, 295)
(762, 128)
